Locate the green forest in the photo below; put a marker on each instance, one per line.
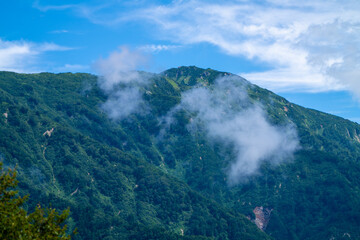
(135, 178)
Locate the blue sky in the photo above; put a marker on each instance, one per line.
(306, 51)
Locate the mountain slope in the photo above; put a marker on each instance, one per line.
(313, 196)
(151, 174)
(69, 154)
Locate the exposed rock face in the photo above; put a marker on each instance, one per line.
(6, 116)
(262, 217)
(48, 132)
(356, 137)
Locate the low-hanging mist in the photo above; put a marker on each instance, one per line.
(230, 118)
(121, 83)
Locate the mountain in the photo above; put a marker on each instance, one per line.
(164, 166)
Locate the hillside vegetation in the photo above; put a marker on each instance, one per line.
(151, 176)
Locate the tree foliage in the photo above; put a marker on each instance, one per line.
(17, 223)
(130, 180)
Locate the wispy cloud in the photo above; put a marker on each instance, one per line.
(107, 13)
(73, 68)
(122, 83)
(45, 8)
(312, 46)
(308, 45)
(152, 48)
(59, 31)
(23, 56)
(228, 116)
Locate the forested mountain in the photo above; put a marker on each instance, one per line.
(194, 154)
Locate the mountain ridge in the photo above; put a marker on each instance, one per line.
(85, 144)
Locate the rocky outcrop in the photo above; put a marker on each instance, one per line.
(6, 116)
(262, 217)
(48, 132)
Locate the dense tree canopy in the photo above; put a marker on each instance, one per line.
(17, 223)
(136, 179)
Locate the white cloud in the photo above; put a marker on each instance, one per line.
(293, 80)
(122, 83)
(309, 45)
(73, 68)
(153, 48)
(45, 8)
(334, 49)
(105, 13)
(228, 117)
(45, 47)
(59, 31)
(119, 68)
(22, 56)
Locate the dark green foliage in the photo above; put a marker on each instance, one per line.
(128, 180)
(318, 195)
(111, 174)
(16, 223)
(186, 77)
